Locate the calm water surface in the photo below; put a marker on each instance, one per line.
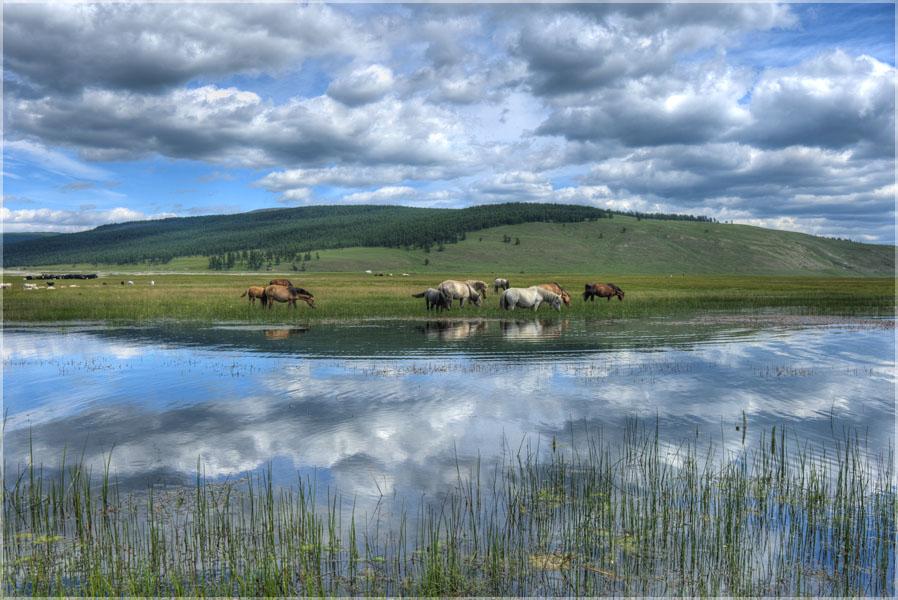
(392, 407)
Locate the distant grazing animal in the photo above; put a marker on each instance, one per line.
(479, 286)
(50, 284)
(460, 290)
(30, 286)
(554, 287)
(123, 283)
(5, 286)
(151, 283)
(528, 298)
(255, 291)
(498, 282)
(602, 290)
(282, 293)
(130, 283)
(280, 282)
(434, 298)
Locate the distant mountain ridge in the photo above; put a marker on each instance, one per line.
(509, 238)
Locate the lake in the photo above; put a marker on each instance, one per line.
(452, 457)
(394, 407)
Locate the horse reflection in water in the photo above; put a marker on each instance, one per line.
(533, 330)
(282, 334)
(453, 330)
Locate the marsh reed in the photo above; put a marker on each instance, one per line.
(636, 517)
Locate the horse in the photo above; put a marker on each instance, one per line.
(528, 298)
(290, 295)
(254, 292)
(284, 282)
(434, 298)
(479, 286)
(554, 287)
(602, 290)
(498, 282)
(461, 290)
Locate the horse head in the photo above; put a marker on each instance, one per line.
(556, 302)
(474, 296)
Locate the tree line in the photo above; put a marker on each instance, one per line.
(287, 235)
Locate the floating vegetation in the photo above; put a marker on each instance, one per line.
(639, 517)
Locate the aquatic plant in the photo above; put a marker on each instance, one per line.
(640, 517)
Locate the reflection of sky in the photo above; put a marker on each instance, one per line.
(396, 422)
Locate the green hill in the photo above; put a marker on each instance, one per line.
(576, 241)
(16, 237)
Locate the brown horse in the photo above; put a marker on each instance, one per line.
(602, 290)
(254, 292)
(554, 287)
(285, 282)
(290, 295)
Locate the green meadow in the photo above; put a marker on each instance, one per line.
(212, 297)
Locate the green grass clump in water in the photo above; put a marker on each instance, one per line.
(637, 518)
(340, 296)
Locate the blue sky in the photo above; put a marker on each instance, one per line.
(780, 116)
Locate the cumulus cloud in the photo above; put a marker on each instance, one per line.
(663, 107)
(232, 126)
(833, 101)
(362, 86)
(152, 48)
(68, 221)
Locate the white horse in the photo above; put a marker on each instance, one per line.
(528, 298)
(499, 282)
(460, 290)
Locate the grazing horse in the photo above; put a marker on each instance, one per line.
(461, 290)
(498, 282)
(479, 286)
(434, 298)
(602, 290)
(528, 298)
(285, 282)
(254, 292)
(554, 287)
(290, 295)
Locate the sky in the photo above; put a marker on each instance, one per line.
(775, 115)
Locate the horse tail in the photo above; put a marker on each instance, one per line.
(421, 295)
(244, 293)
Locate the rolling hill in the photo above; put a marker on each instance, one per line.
(500, 239)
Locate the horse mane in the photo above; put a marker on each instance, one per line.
(559, 287)
(614, 287)
(297, 290)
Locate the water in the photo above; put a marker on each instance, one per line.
(393, 408)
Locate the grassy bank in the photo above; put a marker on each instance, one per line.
(637, 518)
(216, 297)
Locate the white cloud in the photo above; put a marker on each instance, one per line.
(68, 221)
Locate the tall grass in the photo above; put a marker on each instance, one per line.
(640, 517)
(352, 296)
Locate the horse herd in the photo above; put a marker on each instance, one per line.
(441, 297)
(473, 290)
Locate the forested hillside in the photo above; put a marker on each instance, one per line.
(282, 234)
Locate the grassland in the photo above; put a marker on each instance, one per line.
(340, 296)
(610, 247)
(638, 518)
